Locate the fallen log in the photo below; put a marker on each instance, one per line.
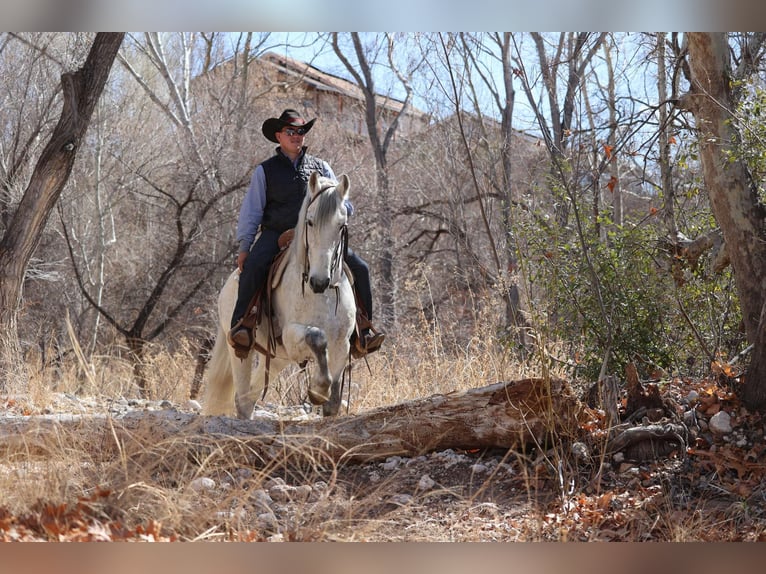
(506, 415)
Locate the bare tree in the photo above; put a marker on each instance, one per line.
(571, 55)
(80, 91)
(499, 48)
(381, 132)
(179, 186)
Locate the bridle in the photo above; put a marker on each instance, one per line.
(339, 253)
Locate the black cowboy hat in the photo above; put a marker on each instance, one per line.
(288, 118)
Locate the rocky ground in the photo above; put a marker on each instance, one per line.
(710, 488)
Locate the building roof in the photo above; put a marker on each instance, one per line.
(323, 81)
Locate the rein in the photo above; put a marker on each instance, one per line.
(341, 248)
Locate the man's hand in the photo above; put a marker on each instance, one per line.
(241, 259)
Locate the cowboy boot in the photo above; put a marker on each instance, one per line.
(240, 337)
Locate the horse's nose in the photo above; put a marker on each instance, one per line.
(319, 285)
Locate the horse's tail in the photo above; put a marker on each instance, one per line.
(219, 383)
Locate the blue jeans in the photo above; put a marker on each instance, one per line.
(361, 272)
(255, 271)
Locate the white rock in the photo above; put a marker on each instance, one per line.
(318, 491)
(303, 492)
(580, 451)
(426, 482)
(193, 405)
(281, 492)
(261, 499)
(274, 481)
(320, 486)
(741, 442)
(720, 423)
(264, 414)
(202, 484)
(400, 499)
(392, 462)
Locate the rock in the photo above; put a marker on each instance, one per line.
(627, 468)
(580, 451)
(303, 492)
(282, 492)
(261, 413)
(202, 484)
(319, 490)
(392, 462)
(261, 499)
(267, 521)
(400, 499)
(243, 474)
(720, 423)
(426, 482)
(274, 481)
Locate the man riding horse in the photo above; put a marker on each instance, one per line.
(277, 190)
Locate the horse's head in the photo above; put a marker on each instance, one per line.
(325, 217)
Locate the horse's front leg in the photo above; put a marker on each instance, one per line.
(308, 342)
(338, 363)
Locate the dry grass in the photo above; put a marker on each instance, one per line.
(82, 484)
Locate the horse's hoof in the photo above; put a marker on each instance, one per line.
(317, 398)
(244, 408)
(330, 409)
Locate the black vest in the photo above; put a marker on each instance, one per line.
(285, 189)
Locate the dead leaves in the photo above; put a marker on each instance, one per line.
(83, 521)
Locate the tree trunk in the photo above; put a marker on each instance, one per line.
(81, 91)
(733, 196)
(503, 415)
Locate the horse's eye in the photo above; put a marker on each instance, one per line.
(310, 222)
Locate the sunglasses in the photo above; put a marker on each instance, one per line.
(294, 131)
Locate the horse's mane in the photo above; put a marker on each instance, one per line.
(327, 203)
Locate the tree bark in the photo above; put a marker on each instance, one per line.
(503, 415)
(81, 91)
(381, 138)
(733, 195)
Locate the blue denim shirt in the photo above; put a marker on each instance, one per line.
(251, 211)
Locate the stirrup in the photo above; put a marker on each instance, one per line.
(367, 344)
(373, 341)
(241, 339)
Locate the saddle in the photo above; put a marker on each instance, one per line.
(260, 307)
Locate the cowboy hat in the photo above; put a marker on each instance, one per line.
(288, 118)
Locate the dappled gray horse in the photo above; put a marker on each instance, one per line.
(313, 308)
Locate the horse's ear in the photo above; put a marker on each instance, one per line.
(343, 183)
(314, 183)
